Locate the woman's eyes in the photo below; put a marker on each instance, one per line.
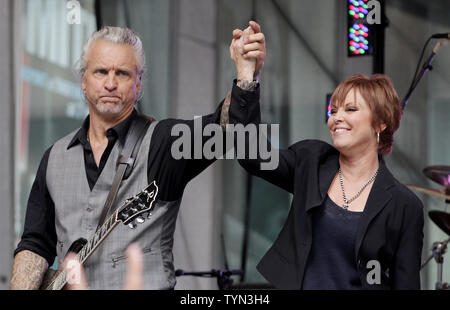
(333, 111)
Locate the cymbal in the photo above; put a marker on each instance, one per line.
(439, 174)
(429, 191)
(441, 219)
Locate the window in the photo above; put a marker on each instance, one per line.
(50, 104)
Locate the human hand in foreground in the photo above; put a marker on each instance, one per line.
(133, 278)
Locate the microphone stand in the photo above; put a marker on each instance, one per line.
(224, 280)
(439, 249)
(425, 68)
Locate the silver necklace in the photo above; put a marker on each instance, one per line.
(348, 201)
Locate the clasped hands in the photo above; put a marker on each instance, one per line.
(248, 51)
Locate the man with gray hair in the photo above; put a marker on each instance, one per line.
(76, 173)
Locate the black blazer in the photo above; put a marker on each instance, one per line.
(390, 229)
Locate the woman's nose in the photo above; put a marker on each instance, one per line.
(338, 116)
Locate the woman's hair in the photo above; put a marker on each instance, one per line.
(119, 35)
(383, 101)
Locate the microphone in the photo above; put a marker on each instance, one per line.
(426, 67)
(427, 64)
(441, 36)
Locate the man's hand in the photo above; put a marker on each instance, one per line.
(248, 51)
(133, 278)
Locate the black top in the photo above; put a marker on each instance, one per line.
(171, 175)
(331, 263)
(390, 230)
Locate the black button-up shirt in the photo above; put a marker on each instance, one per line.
(118, 132)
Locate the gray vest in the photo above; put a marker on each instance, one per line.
(78, 209)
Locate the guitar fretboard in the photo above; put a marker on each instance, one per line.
(98, 237)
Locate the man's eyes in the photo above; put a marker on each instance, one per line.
(119, 73)
(123, 73)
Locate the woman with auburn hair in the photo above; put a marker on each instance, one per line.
(351, 225)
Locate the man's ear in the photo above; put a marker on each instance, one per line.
(139, 85)
(83, 83)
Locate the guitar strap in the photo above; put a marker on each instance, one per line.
(127, 159)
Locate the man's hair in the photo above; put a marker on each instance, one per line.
(119, 35)
(380, 95)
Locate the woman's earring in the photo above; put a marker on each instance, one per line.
(378, 137)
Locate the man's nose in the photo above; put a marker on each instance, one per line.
(111, 82)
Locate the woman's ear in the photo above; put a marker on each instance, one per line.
(381, 128)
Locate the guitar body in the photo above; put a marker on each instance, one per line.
(51, 274)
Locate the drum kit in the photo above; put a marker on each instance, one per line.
(441, 175)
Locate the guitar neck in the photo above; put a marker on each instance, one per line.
(98, 237)
(61, 279)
